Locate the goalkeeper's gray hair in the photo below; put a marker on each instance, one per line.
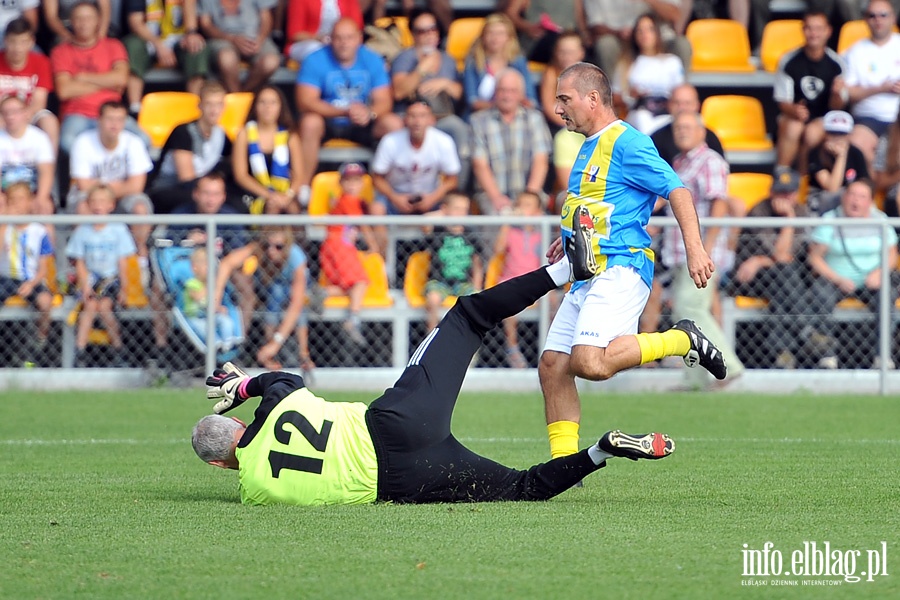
(213, 437)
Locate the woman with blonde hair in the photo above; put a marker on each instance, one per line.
(280, 282)
(646, 76)
(496, 49)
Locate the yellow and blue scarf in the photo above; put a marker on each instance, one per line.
(279, 180)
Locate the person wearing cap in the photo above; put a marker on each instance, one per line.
(768, 267)
(808, 84)
(873, 78)
(834, 164)
(338, 256)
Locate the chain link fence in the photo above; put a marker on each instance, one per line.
(166, 311)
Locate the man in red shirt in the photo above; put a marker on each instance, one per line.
(88, 71)
(26, 74)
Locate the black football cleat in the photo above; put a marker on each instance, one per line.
(580, 247)
(651, 446)
(703, 351)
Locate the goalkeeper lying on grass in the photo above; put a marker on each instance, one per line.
(301, 449)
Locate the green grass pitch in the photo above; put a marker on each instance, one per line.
(102, 497)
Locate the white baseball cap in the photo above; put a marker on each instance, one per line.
(838, 121)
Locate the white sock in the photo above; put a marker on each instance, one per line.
(559, 271)
(597, 455)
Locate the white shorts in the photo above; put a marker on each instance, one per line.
(595, 314)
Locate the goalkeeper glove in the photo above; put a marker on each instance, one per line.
(225, 386)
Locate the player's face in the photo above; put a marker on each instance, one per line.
(573, 108)
(816, 30)
(212, 106)
(18, 45)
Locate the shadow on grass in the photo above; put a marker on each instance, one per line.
(194, 496)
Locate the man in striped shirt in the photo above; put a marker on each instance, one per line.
(25, 259)
(705, 174)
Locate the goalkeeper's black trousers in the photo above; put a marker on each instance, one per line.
(419, 460)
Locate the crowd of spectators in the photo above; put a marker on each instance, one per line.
(485, 133)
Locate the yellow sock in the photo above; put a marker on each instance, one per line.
(563, 438)
(655, 346)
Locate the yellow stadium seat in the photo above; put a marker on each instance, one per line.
(378, 293)
(416, 277)
(463, 33)
(49, 281)
(340, 143)
(852, 32)
(719, 45)
(751, 188)
(237, 106)
(750, 302)
(134, 290)
(779, 38)
(326, 186)
(738, 121)
(161, 112)
(494, 270)
(402, 24)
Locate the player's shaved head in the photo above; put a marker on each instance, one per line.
(213, 437)
(586, 78)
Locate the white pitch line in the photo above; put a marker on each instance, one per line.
(490, 440)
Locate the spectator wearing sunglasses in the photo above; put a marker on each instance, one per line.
(280, 282)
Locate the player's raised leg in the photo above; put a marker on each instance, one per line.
(426, 392)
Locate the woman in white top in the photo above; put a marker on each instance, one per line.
(646, 76)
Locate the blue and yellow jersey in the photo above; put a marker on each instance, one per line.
(618, 175)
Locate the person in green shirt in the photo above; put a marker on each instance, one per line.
(303, 450)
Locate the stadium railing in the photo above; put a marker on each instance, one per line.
(394, 325)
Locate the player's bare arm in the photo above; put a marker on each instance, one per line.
(699, 264)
